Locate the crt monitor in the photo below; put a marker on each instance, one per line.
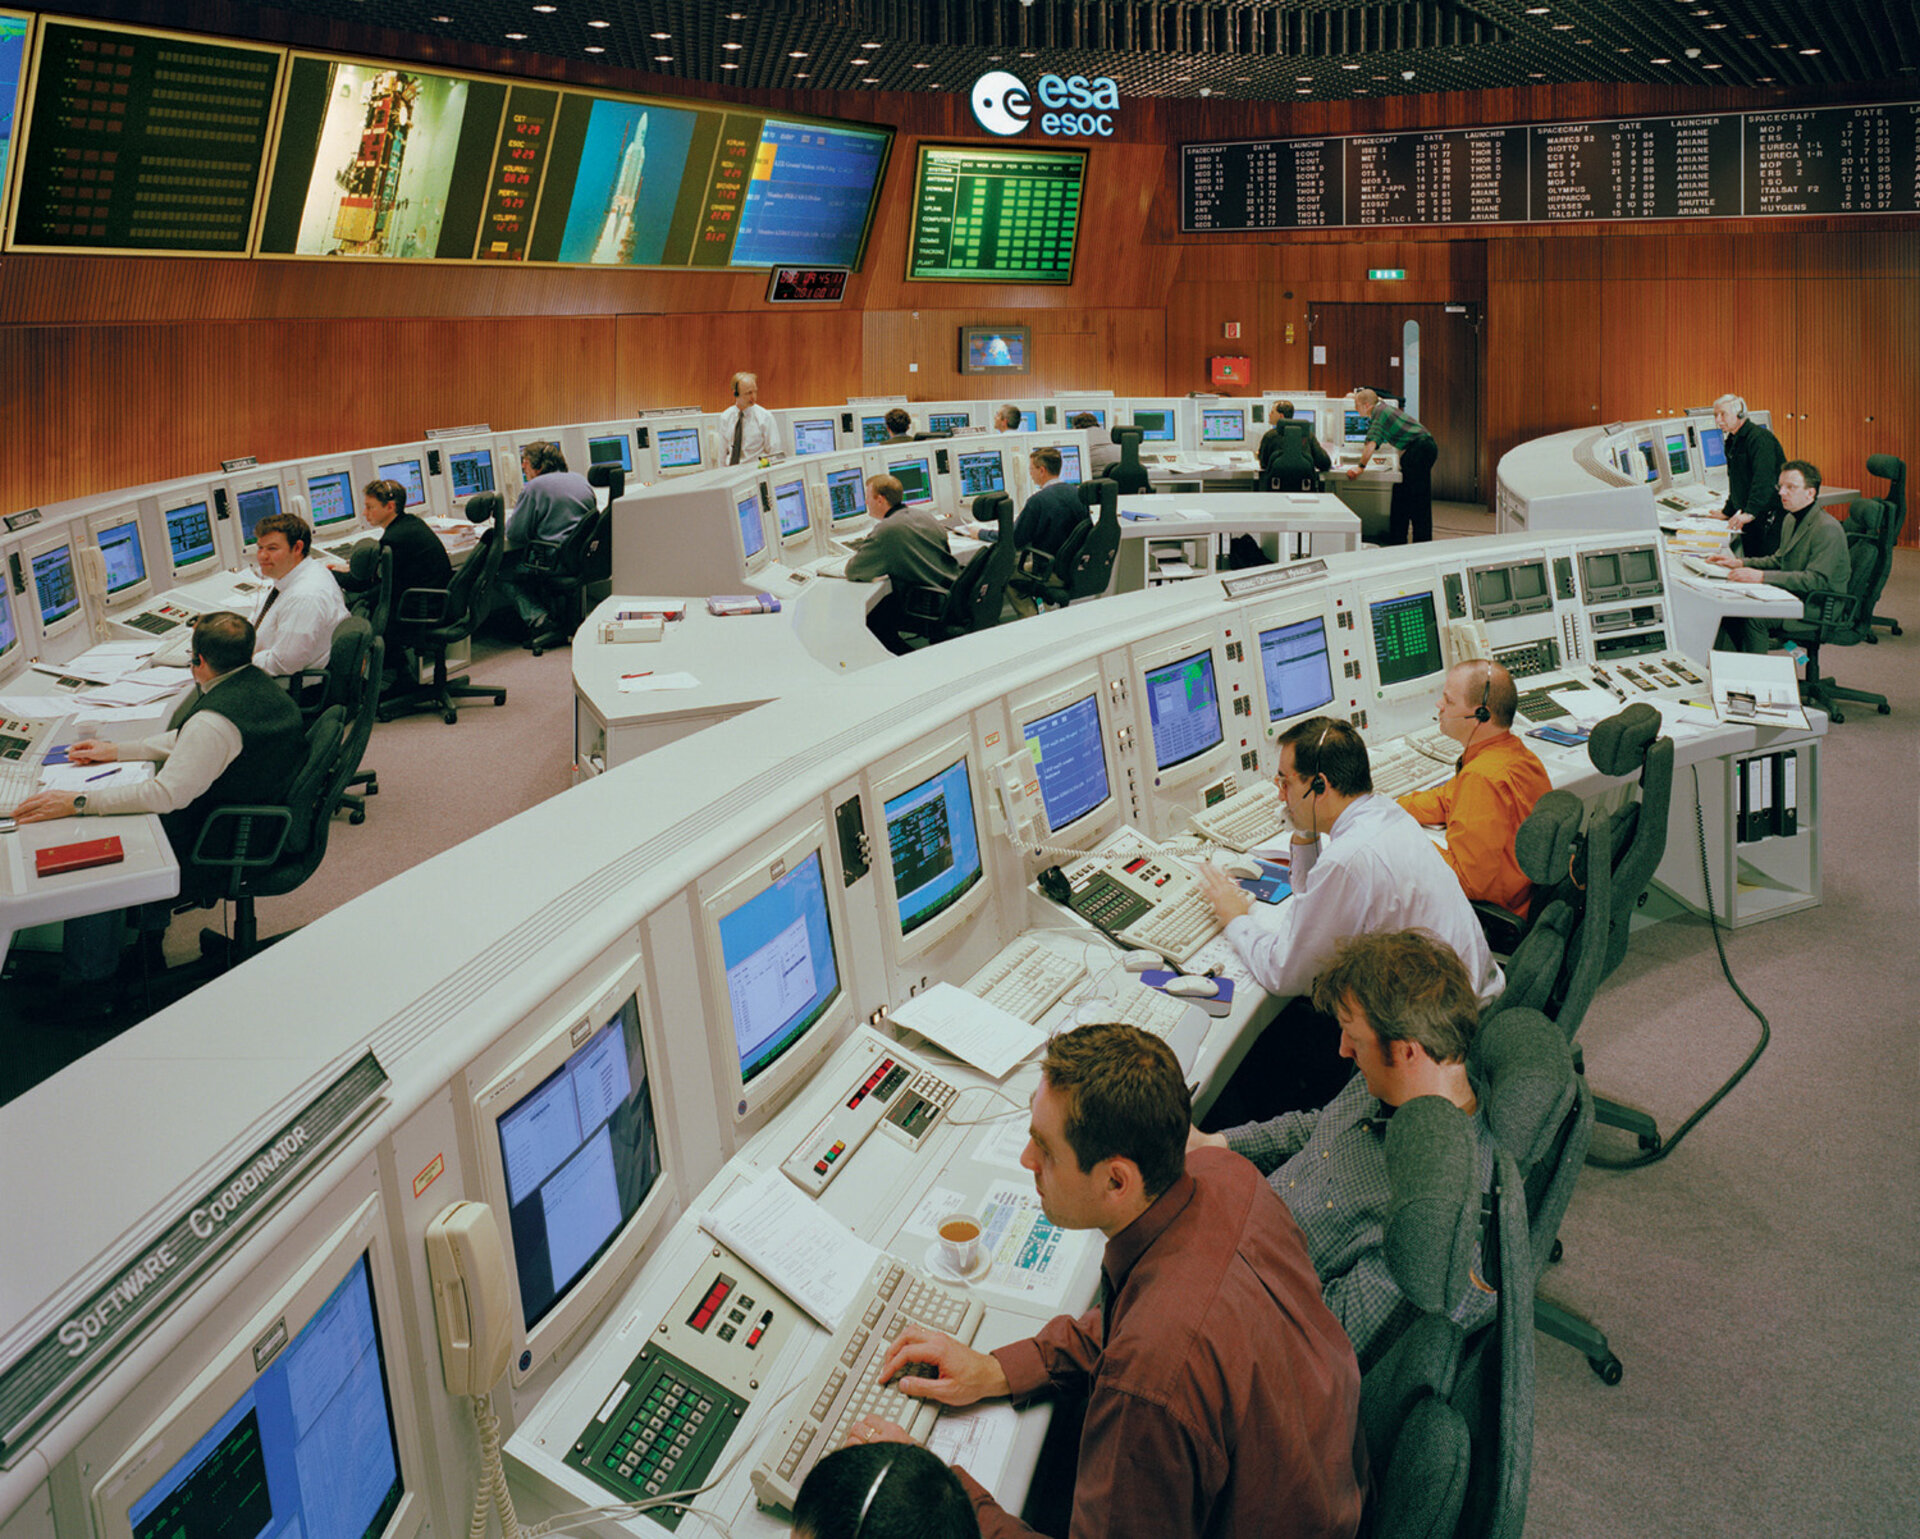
(1627, 572)
(1296, 668)
(938, 877)
(470, 472)
(1505, 592)
(948, 421)
(753, 533)
(774, 963)
(9, 632)
(915, 478)
(1182, 690)
(874, 430)
(611, 449)
(1713, 448)
(407, 473)
(1098, 413)
(123, 555)
(813, 435)
(571, 1157)
(56, 587)
(790, 508)
(330, 500)
(847, 492)
(1063, 733)
(1679, 463)
(1649, 463)
(1157, 426)
(1406, 641)
(253, 503)
(1358, 422)
(679, 449)
(982, 471)
(1029, 421)
(1069, 462)
(1223, 425)
(190, 538)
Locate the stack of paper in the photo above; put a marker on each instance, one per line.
(798, 1246)
(974, 1031)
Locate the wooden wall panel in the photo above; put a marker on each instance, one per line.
(1113, 349)
(802, 356)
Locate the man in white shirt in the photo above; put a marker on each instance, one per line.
(746, 427)
(295, 627)
(1379, 872)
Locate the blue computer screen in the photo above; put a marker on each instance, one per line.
(330, 498)
(471, 471)
(1713, 447)
(679, 448)
(777, 949)
(814, 436)
(614, 449)
(1071, 761)
(125, 561)
(790, 503)
(9, 636)
(308, 1450)
(1183, 704)
(261, 502)
(1649, 465)
(1219, 425)
(407, 473)
(1099, 414)
(1357, 424)
(1157, 426)
(914, 478)
(1029, 421)
(1406, 638)
(846, 492)
(753, 534)
(949, 421)
(982, 472)
(189, 534)
(809, 194)
(53, 581)
(1069, 462)
(936, 856)
(874, 430)
(1296, 667)
(580, 1152)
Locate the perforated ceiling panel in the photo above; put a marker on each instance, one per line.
(1304, 49)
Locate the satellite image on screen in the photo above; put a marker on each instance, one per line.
(629, 177)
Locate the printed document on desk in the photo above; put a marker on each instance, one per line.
(1031, 1257)
(980, 1034)
(803, 1250)
(979, 1439)
(1755, 690)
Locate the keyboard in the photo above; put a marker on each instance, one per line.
(1245, 820)
(23, 745)
(1149, 1009)
(1176, 928)
(1700, 568)
(1539, 705)
(152, 622)
(1027, 978)
(844, 1382)
(1399, 768)
(1436, 745)
(834, 567)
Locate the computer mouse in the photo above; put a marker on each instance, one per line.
(1240, 869)
(1192, 988)
(1142, 961)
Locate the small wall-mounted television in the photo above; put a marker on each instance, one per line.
(996, 349)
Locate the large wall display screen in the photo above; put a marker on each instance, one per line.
(142, 141)
(377, 160)
(995, 215)
(1822, 160)
(13, 80)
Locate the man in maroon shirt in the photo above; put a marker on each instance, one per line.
(1222, 1399)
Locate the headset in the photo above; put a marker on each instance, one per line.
(1480, 711)
(1318, 785)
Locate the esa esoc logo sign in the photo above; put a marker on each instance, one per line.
(1076, 107)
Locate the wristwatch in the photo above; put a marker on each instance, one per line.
(79, 803)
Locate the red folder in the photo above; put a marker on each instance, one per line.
(78, 857)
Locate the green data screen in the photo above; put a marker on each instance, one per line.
(994, 215)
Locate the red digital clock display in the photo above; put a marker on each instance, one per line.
(807, 285)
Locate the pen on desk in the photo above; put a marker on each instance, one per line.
(103, 774)
(644, 674)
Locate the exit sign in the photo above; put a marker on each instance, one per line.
(1378, 273)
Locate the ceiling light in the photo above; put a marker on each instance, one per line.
(1766, 80)
(733, 45)
(661, 37)
(1206, 90)
(1809, 50)
(798, 54)
(1304, 79)
(1716, 26)
(1710, 66)
(663, 58)
(449, 18)
(544, 10)
(1623, 50)
(799, 74)
(1243, 80)
(1303, 90)
(516, 37)
(1349, 66)
(1028, 54)
(922, 66)
(1563, 26)
(595, 48)
(1661, 61)
(859, 63)
(1538, 74)
(1538, 10)
(601, 24)
(1783, 45)
(736, 16)
(729, 66)
(1582, 42)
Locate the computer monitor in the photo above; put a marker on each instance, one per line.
(1063, 731)
(1713, 448)
(571, 1158)
(1069, 462)
(9, 632)
(123, 556)
(1029, 421)
(1223, 425)
(190, 544)
(56, 587)
(791, 509)
(1649, 462)
(1180, 685)
(1507, 591)
(1406, 642)
(948, 421)
(1098, 413)
(1358, 422)
(469, 473)
(934, 870)
(982, 471)
(407, 473)
(331, 500)
(1157, 426)
(256, 501)
(611, 449)
(814, 435)
(753, 532)
(915, 477)
(1617, 573)
(301, 1425)
(874, 430)
(772, 931)
(678, 449)
(847, 493)
(1679, 462)
(1296, 668)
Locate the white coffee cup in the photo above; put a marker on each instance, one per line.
(960, 1242)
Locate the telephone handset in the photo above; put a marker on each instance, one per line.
(1467, 640)
(472, 1300)
(93, 588)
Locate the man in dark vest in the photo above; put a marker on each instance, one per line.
(235, 740)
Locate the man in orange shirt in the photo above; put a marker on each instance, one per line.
(1498, 781)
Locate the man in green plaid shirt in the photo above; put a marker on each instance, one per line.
(1412, 506)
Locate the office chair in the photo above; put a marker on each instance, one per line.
(348, 682)
(974, 601)
(1541, 1113)
(1127, 473)
(433, 619)
(376, 601)
(562, 573)
(1273, 479)
(1893, 470)
(1083, 565)
(1831, 618)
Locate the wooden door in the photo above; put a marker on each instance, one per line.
(1365, 345)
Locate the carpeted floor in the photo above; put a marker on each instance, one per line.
(1759, 1285)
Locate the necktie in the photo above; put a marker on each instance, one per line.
(273, 597)
(739, 432)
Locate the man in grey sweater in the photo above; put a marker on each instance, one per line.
(908, 548)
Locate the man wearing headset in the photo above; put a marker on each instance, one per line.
(908, 548)
(1378, 872)
(1498, 781)
(746, 427)
(1754, 460)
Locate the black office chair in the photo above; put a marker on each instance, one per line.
(1127, 472)
(562, 573)
(351, 680)
(974, 601)
(375, 601)
(1893, 470)
(1292, 447)
(431, 620)
(1832, 618)
(1083, 566)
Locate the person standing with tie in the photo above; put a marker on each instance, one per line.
(746, 427)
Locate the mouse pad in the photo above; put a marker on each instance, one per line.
(1270, 886)
(1220, 1004)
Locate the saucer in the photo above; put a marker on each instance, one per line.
(937, 1263)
